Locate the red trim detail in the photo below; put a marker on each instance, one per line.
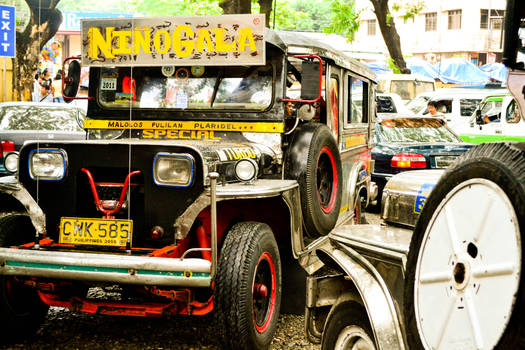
(98, 202)
(320, 81)
(271, 307)
(331, 205)
(204, 242)
(65, 80)
(176, 304)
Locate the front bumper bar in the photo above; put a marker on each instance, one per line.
(111, 268)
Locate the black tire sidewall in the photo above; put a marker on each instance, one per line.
(317, 221)
(16, 229)
(342, 315)
(243, 246)
(477, 164)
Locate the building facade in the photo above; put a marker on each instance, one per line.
(472, 29)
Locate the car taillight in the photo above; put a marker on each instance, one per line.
(408, 160)
(6, 147)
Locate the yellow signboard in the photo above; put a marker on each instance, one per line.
(185, 125)
(181, 41)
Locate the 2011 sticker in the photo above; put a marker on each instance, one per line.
(108, 84)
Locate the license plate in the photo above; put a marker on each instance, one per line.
(104, 232)
(444, 161)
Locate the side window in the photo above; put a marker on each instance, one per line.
(443, 106)
(467, 106)
(513, 113)
(357, 101)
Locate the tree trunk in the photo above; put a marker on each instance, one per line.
(43, 25)
(266, 8)
(235, 6)
(389, 32)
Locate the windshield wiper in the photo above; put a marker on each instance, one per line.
(220, 76)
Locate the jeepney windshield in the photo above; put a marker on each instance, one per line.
(197, 87)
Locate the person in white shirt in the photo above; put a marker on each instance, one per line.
(45, 94)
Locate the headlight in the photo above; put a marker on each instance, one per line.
(47, 164)
(246, 169)
(173, 169)
(11, 162)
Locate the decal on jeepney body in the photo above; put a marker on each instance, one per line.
(181, 41)
(180, 134)
(236, 153)
(185, 125)
(422, 195)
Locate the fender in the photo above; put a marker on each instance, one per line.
(11, 188)
(355, 184)
(373, 291)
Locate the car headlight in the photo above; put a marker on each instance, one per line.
(11, 162)
(173, 169)
(246, 169)
(47, 164)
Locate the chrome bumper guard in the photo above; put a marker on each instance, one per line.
(106, 267)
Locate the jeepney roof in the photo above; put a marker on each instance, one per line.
(298, 43)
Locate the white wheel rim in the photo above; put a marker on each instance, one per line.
(354, 338)
(468, 269)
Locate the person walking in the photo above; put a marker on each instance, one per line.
(57, 88)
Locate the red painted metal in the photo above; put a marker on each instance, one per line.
(204, 242)
(320, 81)
(65, 80)
(271, 307)
(98, 202)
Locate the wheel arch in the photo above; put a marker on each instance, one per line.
(15, 198)
(372, 291)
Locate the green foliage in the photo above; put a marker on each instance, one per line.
(409, 9)
(345, 19)
(311, 15)
(392, 66)
(286, 16)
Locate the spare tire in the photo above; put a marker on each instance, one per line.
(313, 160)
(464, 282)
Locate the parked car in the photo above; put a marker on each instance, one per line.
(22, 121)
(407, 86)
(455, 104)
(390, 105)
(497, 118)
(408, 143)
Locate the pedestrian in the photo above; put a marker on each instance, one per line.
(46, 79)
(57, 87)
(45, 94)
(36, 86)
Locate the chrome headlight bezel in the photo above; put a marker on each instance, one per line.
(56, 152)
(185, 157)
(11, 158)
(252, 164)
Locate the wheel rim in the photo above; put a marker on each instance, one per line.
(264, 292)
(353, 338)
(468, 268)
(326, 180)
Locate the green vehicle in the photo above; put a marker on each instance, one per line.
(497, 118)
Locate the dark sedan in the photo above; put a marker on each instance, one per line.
(410, 143)
(22, 121)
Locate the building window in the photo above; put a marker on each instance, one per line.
(454, 19)
(484, 19)
(430, 22)
(496, 18)
(372, 27)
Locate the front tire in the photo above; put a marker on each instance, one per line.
(22, 312)
(464, 269)
(248, 286)
(347, 327)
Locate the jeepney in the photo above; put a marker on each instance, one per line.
(444, 270)
(197, 175)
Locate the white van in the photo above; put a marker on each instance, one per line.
(496, 119)
(407, 86)
(455, 104)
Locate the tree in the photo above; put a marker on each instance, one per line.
(245, 6)
(389, 32)
(44, 20)
(346, 23)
